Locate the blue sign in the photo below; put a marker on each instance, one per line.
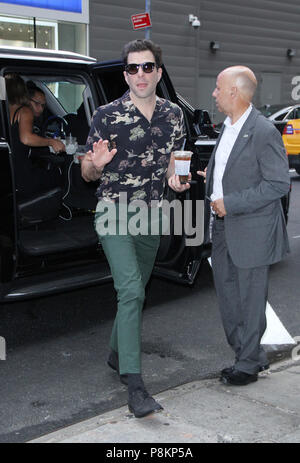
(72, 6)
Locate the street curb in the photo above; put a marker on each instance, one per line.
(121, 416)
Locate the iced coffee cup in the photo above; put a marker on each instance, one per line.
(182, 165)
(71, 145)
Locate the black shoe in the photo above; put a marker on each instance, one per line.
(226, 371)
(140, 403)
(113, 362)
(238, 378)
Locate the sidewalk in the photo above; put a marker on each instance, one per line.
(205, 412)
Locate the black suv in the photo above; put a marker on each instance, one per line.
(47, 238)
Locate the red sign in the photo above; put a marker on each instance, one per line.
(140, 21)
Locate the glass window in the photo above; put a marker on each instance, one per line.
(68, 94)
(52, 35)
(281, 116)
(21, 32)
(67, 105)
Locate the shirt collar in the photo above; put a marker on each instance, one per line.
(128, 103)
(240, 122)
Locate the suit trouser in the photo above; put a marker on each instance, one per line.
(131, 260)
(242, 296)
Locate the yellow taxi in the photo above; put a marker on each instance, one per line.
(291, 140)
(286, 119)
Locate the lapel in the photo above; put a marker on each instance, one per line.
(242, 139)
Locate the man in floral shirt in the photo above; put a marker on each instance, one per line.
(144, 147)
(129, 149)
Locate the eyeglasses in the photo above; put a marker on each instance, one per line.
(133, 68)
(43, 105)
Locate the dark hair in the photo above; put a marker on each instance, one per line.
(143, 45)
(32, 88)
(16, 89)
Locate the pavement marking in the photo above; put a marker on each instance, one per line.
(298, 236)
(275, 332)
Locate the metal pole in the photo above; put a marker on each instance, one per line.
(148, 10)
(34, 32)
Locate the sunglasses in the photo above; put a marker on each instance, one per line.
(134, 68)
(43, 105)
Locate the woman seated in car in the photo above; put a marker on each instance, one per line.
(37, 102)
(29, 178)
(22, 115)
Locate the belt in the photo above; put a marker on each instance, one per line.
(219, 218)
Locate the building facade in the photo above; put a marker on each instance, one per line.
(257, 34)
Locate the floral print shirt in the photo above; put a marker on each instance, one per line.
(144, 148)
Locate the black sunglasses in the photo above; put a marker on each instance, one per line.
(43, 105)
(134, 68)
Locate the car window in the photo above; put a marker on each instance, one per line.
(68, 94)
(282, 116)
(66, 98)
(113, 83)
(268, 110)
(290, 115)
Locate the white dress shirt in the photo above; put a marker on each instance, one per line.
(230, 134)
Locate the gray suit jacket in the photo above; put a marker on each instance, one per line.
(255, 178)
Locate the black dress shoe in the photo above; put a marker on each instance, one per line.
(140, 403)
(113, 362)
(238, 378)
(226, 371)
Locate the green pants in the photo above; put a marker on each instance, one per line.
(131, 259)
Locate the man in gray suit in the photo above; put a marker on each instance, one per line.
(245, 179)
